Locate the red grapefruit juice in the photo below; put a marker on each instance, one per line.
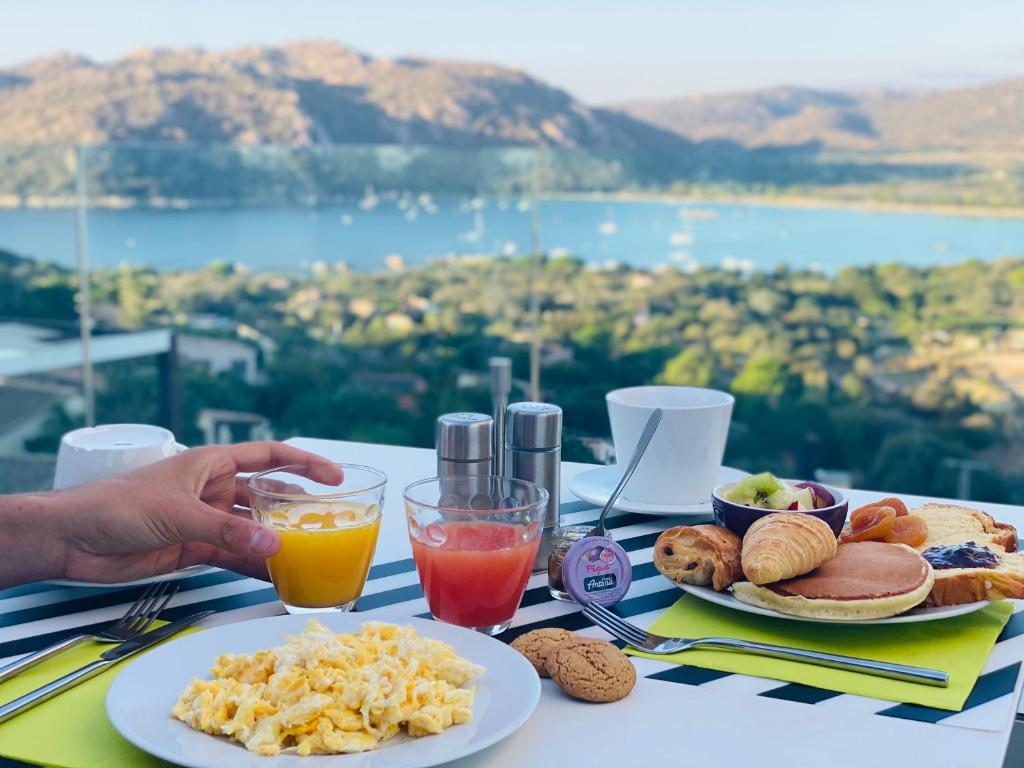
(477, 575)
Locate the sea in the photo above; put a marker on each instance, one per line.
(380, 232)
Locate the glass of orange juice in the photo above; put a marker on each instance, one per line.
(328, 533)
(474, 540)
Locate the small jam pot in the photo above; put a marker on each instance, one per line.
(562, 538)
(597, 570)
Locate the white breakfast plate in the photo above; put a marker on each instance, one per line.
(140, 699)
(596, 485)
(920, 613)
(192, 570)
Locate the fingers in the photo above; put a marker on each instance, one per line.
(255, 457)
(268, 484)
(236, 534)
(241, 492)
(204, 554)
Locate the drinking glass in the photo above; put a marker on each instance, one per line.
(328, 533)
(474, 540)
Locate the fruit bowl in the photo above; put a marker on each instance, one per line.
(739, 517)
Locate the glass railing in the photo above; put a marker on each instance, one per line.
(356, 292)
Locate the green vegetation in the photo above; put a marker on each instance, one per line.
(882, 371)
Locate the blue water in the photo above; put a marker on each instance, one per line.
(638, 233)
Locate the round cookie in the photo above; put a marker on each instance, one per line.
(592, 670)
(536, 644)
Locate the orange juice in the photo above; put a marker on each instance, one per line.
(325, 554)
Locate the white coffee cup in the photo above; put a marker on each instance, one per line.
(95, 453)
(682, 462)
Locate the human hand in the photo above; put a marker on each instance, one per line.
(185, 510)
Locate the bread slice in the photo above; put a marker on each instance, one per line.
(951, 524)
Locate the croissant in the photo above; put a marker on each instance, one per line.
(699, 554)
(786, 544)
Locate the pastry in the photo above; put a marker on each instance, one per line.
(974, 557)
(591, 670)
(864, 580)
(700, 555)
(536, 644)
(785, 544)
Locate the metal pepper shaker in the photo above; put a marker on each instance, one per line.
(464, 444)
(533, 451)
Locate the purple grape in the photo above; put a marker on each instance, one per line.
(822, 496)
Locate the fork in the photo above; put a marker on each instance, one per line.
(656, 644)
(136, 620)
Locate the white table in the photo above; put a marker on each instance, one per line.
(666, 723)
(723, 722)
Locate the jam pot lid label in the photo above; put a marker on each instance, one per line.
(597, 570)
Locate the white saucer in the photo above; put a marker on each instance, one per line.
(596, 485)
(192, 570)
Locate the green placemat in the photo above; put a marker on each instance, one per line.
(70, 730)
(959, 646)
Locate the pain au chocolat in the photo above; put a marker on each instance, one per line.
(864, 580)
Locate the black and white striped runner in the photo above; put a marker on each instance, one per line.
(36, 615)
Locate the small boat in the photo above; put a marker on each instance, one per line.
(370, 200)
(475, 234)
(608, 226)
(697, 213)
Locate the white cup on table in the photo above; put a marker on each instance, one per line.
(95, 453)
(682, 462)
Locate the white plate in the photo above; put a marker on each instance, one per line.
(921, 613)
(140, 699)
(192, 570)
(596, 485)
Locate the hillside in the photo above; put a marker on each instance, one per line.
(982, 117)
(301, 94)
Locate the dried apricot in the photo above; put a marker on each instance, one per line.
(869, 524)
(897, 505)
(909, 529)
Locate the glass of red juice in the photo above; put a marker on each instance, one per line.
(474, 540)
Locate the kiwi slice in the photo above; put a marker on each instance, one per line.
(755, 491)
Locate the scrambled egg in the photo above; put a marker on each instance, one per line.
(326, 693)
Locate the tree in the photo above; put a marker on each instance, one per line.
(691, 368)
(763, 375)
(131, 298)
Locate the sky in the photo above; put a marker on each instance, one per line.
(600, 51)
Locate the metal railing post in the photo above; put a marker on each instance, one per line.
(84, 283)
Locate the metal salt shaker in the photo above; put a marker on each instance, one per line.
(464, 444)
(533, 451)
(465, 457)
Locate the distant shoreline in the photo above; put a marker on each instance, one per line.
(822, 203)
(116, 203)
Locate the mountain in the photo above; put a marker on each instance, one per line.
(306, 93)
(322, 92)
(980, 117)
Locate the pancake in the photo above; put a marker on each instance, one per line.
(865, 580)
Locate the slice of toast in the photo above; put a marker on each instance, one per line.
(950, 524)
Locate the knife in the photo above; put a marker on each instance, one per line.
(107, 659)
